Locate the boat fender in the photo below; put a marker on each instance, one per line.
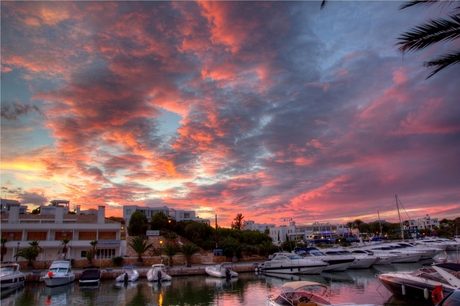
(437, 295)
(426, 294)
(403, 290)
(50, 274)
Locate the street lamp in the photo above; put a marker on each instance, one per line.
(17, 251)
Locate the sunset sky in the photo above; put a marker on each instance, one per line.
(270, 109)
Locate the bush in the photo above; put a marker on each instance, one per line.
(117, 261)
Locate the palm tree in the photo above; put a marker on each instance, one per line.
(238, 224)
(188, 250)
(64, 243)
(139, 246)
(90, 256)
(4, 249)
(170, 250)
(432, 32)
(30, 253)
(350, 226)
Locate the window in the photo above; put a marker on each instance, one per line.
(105, 253)
(36, 236)
(87, 236)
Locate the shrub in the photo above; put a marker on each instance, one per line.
(117, 261)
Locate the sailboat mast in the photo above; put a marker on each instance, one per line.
(380, 223)
(399, 215)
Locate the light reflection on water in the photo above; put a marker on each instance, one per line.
(358, 286)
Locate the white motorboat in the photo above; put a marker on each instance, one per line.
(11, 278)
(427, 252)
(292, 263)
(420, 284)
(221, 270)
(60, 273)
(362, 261)
(130, 274)
(90, 277)
(452, 245)
(302, 293)
(158, 273)
(382, 259)
(432, 243)
(335, 263)
(403, 256)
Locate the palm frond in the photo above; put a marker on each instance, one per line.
(442, 62)
(442, 3)
(429, 33)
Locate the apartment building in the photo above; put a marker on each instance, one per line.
(53, 226)
(173, 214)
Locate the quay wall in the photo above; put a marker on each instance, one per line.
(112, 273)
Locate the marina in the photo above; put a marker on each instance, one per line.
(360, 286)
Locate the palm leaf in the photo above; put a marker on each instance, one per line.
(429, 33)
(443, 62)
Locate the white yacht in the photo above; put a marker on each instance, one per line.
(403, 256)
(130, 274)
(362, 261)
(382, 259)
(428, 252)
(291, 263)
(432, 243)
(335, 263)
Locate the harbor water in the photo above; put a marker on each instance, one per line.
(358, 286)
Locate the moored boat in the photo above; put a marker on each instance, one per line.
(302, 293)
(158, 273)
(362, 261)
(11, 278)
(421, 283)
(335, 263)
(129, 274)
(60, 273)
(90, 277)
(221, 270)
(292, 263)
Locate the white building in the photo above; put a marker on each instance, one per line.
(316, 230)
(51, 229)
(424, 223)
(252, 226)
(174, 214)
(6, 204)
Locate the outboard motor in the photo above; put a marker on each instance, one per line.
(227, 273)
(159, 276)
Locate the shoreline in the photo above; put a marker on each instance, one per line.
(112, 273)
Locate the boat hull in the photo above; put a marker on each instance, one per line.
(293, 269)
(411, 288)
(57, 281)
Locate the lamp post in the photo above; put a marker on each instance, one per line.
(17, 251)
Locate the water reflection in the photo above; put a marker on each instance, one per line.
(358, 286)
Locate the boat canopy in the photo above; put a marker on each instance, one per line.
(293, 286)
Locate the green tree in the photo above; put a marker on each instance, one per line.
(138, 224)
(139, 246)
(4, 249)
(350, 226)
(159, 221)
(188, 249)
(265, 248)
(170, 250)
(234, 247)
(432, 32)
(238, 224)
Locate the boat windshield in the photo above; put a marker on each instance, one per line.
(316, 253)
(58, 270)
(6, 269)
(294, 256)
